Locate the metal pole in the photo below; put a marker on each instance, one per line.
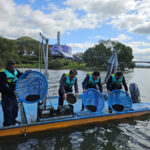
(45, 55)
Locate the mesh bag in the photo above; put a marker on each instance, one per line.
(31, 87)
(119, 101)
(93, 101)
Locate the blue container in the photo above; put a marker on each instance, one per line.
(93, 101)
(31, 87)
(119, 101)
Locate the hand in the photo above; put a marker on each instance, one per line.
(108, 92)
(102, 94)
(16, 94)
(28, 70)
(84, 90)
(76, 95)
(127, 93)
(65, 95)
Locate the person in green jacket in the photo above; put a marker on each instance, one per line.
(115, 82)
(92, 80)
(67, 81)
(8, 78)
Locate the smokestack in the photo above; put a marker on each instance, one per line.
(58, 37)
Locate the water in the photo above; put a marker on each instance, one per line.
(127, 134)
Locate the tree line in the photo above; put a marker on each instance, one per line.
(98, 56)
(95, 57)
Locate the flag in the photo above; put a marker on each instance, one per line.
(112, 65)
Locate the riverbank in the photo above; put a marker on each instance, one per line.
(142, 66)
(78, 67)
(55, 63)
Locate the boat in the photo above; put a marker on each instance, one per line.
(50, 121)
(44, 115)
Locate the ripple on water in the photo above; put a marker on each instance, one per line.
(49, 144)
(31, 144)
(91, 130)
(139, 134)
(76, 139)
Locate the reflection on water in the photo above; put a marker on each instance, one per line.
(127, 134)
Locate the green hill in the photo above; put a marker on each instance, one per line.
(25, 38)
(25, 41)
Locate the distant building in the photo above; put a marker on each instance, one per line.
(61, 51)
(26, 54)
(58, 50)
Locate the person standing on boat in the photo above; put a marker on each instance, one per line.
(92, 80)
(115, 82)
(8, 78)
(66, 83)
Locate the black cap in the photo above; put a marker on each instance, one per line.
(119, 73)
(96, 73)
(10, 62)
(74, 71)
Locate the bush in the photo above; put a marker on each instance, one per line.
(55, 64)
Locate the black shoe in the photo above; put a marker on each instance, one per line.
(110, 111)
(16, 121)
(4, 125)
(82, 108)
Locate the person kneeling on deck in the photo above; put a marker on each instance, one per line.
(91, 81)
(8, 78)
(115, 82)
(66, 83)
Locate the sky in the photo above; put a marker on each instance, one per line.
(82, 23)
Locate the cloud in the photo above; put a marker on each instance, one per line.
(22, 20)
(137, 20)
(142, 28)
(141, 50)
(68, 33)
(32, 1)
(80, 47)
(139, 44)
(102, 8)
(121, 38)
(50, 7)
(148, 37)
(96, 37)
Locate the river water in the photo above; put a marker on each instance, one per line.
(127, 134)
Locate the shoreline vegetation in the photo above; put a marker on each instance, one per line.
(56, 64)
(25, 51)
